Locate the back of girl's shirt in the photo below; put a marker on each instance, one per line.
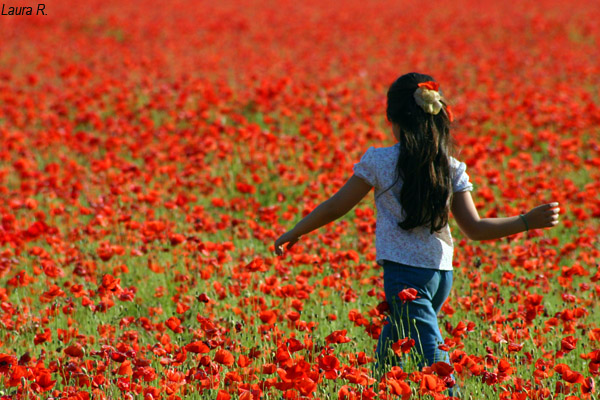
(417, 247)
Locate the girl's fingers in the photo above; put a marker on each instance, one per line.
(543, 216)
(281, 243)
(553, 220)
(279, 247)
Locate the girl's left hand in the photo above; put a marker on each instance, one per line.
(289, 237)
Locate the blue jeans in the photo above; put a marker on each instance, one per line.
(415, 319)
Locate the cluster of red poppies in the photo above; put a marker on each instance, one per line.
(150, 153)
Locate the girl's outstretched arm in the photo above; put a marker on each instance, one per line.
(475, 228)
(330, 210)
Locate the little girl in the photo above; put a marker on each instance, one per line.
(417, 183)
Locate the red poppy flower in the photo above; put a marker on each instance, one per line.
(442, 369)
(399, 388)
(330, 365)
(43, 337)
(408, 294)
(44, 382)
(403, 346)
(197, 347)
(568, 344)
(588, 386)
(337, 337)
(174, 324)
(74, 350)
(268, 317)
(224, 357)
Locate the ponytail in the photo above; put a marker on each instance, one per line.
(424, 158)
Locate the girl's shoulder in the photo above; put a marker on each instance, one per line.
(460, 179)
(383, 152)
(382, 157)
(456, 165)
(376, 164)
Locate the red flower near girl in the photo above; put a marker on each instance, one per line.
(337, 337)
(409, 294)
(403, 346)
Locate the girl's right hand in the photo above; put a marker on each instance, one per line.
(544, 216)
(290, 237)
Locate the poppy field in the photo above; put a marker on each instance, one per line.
(151, 152)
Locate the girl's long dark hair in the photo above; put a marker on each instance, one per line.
(424, 160)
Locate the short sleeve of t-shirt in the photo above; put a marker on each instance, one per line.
(460, 179)
(366, 167)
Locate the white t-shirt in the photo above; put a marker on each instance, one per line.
(417, 247)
